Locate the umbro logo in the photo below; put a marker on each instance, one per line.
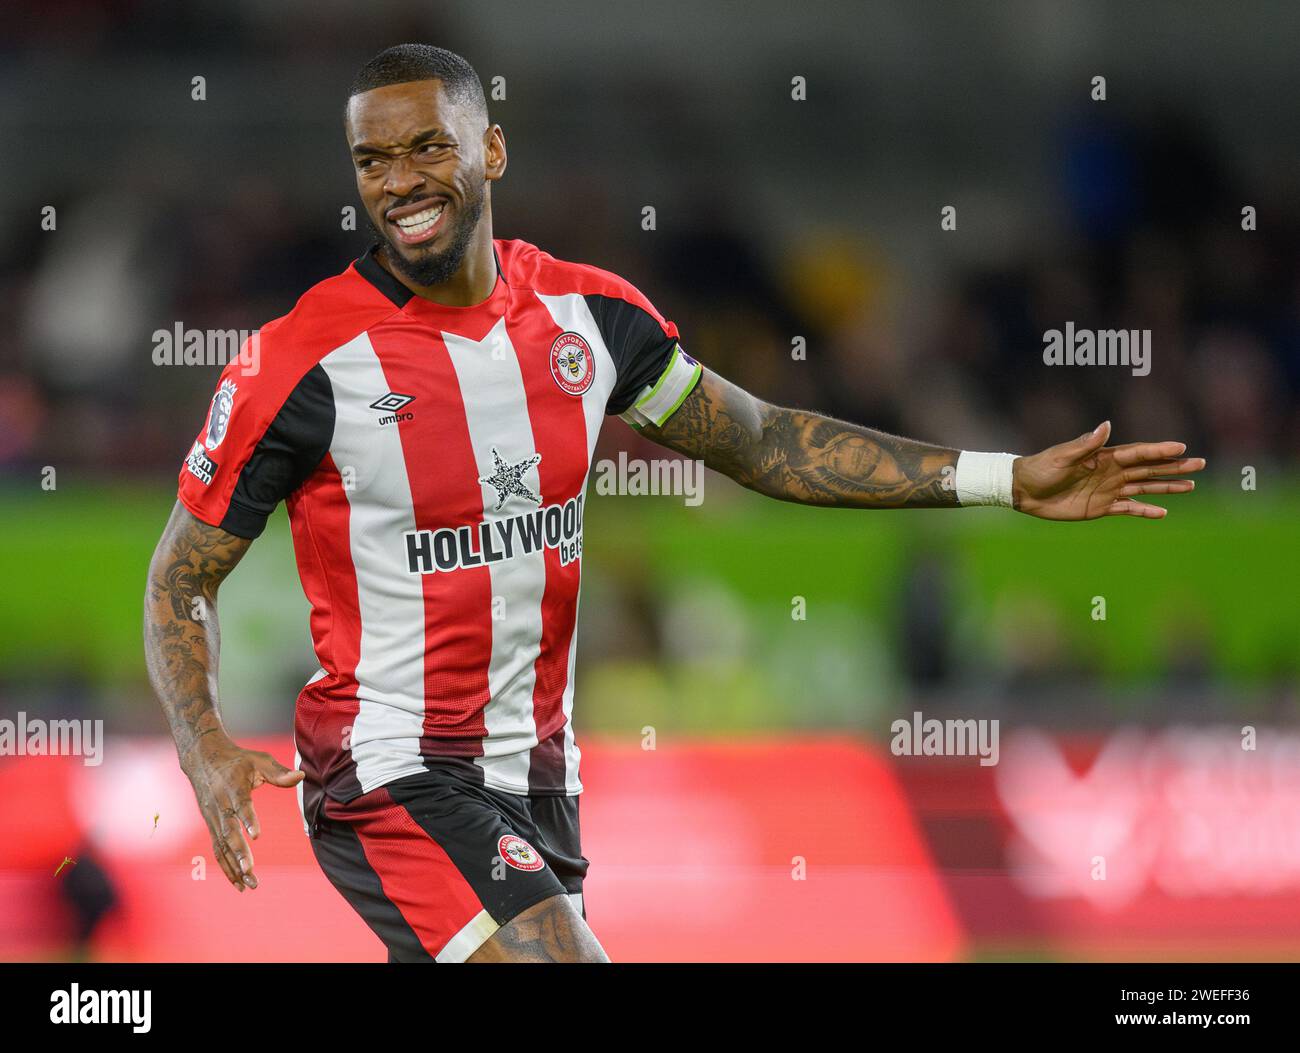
(391, 405)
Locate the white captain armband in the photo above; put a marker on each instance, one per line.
(657, 403)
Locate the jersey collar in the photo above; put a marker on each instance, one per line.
(379, 276)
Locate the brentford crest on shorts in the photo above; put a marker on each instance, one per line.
(518, 853)
(571, 363)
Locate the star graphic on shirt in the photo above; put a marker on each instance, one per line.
(508, 479)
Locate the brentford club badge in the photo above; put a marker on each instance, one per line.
(572, 364)
(518, 853)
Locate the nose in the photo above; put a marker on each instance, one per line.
(403, 179)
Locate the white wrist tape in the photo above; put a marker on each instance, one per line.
(984, 478)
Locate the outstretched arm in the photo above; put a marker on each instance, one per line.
(803, 457)
(807, 458)
(181, 643)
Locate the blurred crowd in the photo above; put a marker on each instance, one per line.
(1155, 243)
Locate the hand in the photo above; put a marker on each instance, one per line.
(224, 777)
(1085, 479)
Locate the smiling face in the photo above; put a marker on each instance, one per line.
(422, 163)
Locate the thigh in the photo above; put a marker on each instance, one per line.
(550, 931)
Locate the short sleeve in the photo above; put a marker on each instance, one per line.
(262, 438)
(654, 374)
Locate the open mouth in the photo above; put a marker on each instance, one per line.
(417, 223)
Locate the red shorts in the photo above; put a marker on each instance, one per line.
(435, 863)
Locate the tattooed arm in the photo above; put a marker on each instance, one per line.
(803, 457)
(182, 640)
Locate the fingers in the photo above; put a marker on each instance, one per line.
(227, 817)
(1134, 453)
(1144, 453)
(1176, 466)
(232, 841)
(221, 850)
(1173, 486)
(226, 842)
(1136, 508)
(272, 771)
(225, 858)
(1087, 444)
(247, 817)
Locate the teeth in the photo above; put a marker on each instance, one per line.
(421, 221)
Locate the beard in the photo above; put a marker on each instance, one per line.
(435, 268)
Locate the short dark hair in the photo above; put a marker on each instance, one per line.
(404, 63)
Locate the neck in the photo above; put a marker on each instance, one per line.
(473, 281)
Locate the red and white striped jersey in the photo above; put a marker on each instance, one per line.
(434, 462)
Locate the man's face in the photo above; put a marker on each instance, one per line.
(422, 163)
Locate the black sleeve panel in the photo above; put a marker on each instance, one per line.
(294, 444)
(636, 341)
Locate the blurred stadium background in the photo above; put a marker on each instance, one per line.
(775, 219)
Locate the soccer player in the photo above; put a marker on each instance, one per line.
(429, 417)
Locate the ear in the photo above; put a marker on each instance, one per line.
(494, 152)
